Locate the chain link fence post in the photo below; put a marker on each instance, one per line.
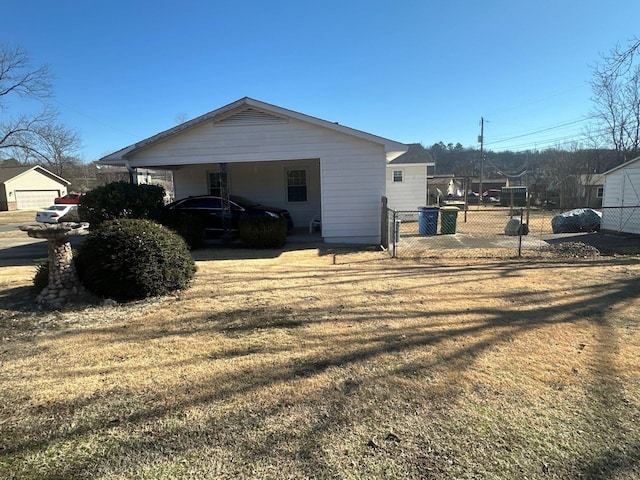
(396, 234)
(521, 232)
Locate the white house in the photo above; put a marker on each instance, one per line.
(311, 167)
(621, 198)
(29, 188)
(407, 177)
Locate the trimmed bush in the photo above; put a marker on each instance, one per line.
(121, 200)
(263, 231)
(133, 259)
(189, 227)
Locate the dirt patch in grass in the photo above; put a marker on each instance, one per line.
(331, 363)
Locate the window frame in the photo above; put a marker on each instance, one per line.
(302, 189)
(394, 178)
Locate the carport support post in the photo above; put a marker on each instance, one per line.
(224, 200)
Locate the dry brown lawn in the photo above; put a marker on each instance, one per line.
(17, 216)
(321, 363)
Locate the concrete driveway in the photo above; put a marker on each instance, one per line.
(17, 248)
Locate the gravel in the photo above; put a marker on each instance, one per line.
(572, 250)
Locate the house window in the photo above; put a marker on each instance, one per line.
(600, 192)
(214, 184)
(397, 175)
(296, 185)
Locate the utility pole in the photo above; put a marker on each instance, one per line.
(481, 140)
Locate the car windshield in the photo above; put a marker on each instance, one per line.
(56, 207)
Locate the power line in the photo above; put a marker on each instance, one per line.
(541, 130)
(556, 135)
(555, 140)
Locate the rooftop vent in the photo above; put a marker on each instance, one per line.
(251, 116)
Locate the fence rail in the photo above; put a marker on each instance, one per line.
(504, 232)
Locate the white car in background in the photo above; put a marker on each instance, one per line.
(54, 213)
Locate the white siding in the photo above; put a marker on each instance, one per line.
(352, 170)
(411, 193)
(622, 189)
(352, 189)
(211, 143)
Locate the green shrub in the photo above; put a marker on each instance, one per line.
(263, 231)
(121, 200)
(189, 227)
(132, 259)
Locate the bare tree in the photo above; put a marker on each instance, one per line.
(20, 78)
(616, 89)
(32, 138)
(19, 134)
(563, 171)
(620, 60)
(56, 145)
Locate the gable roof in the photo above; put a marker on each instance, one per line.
(248, 108)
(416, 154)
(624, 165)
(9, 173)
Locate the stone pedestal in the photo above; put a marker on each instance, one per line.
(63, 284)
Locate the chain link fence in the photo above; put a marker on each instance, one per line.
(503, 232)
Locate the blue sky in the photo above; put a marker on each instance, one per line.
(409, 70)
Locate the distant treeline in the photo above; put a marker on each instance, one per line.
(465, 161)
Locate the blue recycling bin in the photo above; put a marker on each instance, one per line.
(428, 220)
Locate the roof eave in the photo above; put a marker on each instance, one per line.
(625, 164)
(412, 164)
(44, 171)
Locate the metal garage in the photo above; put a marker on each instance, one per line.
(621, 198)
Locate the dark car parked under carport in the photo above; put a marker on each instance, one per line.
(209, 209)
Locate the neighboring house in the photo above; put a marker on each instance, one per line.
(29, 188)
(445, 187)
(407, 178)
(312, 167)
(577, 191)
(489, 184)
(592, 189)
(107, 174)
(621, 198)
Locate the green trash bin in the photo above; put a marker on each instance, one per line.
(448, 220)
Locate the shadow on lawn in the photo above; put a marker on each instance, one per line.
(239, 252)
(364, 341)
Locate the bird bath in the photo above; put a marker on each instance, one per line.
(64, 283)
